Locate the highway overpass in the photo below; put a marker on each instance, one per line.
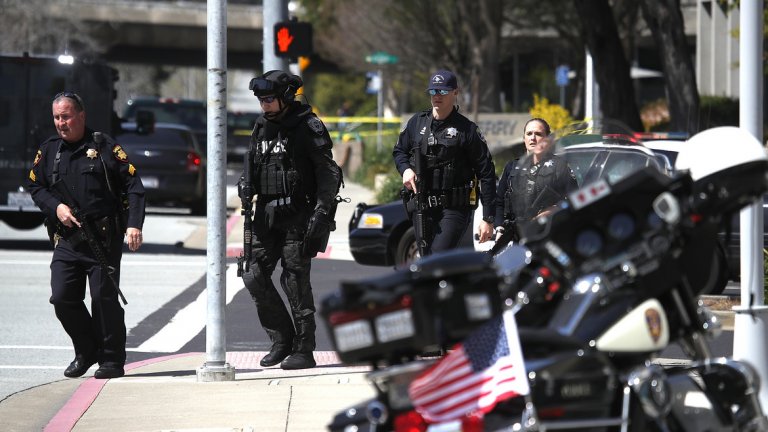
(165, 32)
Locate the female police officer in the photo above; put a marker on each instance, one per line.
(442, 157)
(529, 187)
(296, 180)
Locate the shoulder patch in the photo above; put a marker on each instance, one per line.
(480, 134)
(38, 156)
(316, 125)
(119, 153)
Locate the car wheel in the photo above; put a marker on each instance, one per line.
(407, 250)
(24, 221)
(199, 208)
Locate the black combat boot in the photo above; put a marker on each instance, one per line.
(277, 354)
(299, 360)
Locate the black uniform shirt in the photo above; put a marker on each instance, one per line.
(81, 167)
(459, 140)
(533, 187)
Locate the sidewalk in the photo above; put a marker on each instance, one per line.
(163, 394)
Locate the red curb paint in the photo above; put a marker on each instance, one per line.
(86, 393)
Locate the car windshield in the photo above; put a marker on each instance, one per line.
(165, 137)
(192, 115)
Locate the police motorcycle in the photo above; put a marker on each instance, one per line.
(599, 288)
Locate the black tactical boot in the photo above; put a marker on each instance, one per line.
(275, 355)
(299, 360)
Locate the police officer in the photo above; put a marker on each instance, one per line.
(454, 159)
(295, 180)
(96, 177)
(529, 187)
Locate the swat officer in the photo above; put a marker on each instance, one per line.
(83, 177)
(529, 187)
(295, 180)
(444, 154)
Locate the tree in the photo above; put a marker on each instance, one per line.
(665, 21)
(461, 35)
(612, 70)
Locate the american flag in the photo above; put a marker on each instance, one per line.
(478, 373)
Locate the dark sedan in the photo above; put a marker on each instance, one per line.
(170, 162)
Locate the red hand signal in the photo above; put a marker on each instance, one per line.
(284, 39)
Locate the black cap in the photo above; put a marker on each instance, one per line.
(442, 80)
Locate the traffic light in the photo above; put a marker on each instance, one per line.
(293, 39)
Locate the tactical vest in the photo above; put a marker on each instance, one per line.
(444, 174)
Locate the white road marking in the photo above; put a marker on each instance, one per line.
(188, 322)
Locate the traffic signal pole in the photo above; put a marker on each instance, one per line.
(275, 11)
(216, 367)
(750, 335)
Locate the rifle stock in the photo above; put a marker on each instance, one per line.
(86, 225)
(244, 260)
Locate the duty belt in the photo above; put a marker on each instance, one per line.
(431, 201)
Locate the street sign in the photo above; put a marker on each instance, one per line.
(561, 75)
(381, 57)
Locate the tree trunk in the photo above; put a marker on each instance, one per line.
(665, 20)
(617, 96)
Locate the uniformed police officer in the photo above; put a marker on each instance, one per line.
(96, 176)
(530, 186)
(295, 180)
(454, 159)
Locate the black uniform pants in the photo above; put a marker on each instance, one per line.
(447, 228)
(101, 333)
(268, 248)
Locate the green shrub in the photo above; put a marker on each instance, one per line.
(390, 190)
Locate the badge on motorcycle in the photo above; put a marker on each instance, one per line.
(316, 125)
(91, 153)
(38, 156)
(119, 154)
(653, 321)
(451, 132)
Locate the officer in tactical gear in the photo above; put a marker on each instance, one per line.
(79, 179)
(295, 180)
(443, 156)
(529, 187)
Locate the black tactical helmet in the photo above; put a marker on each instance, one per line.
(276, 83)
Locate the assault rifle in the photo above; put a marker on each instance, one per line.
(89, 231)
(246, 197)
(420, 223)
(509, 235)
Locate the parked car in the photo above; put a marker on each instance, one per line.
(382, 235)
(239, 128)
(170, 162)
(191, 113)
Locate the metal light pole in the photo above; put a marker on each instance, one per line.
(275, 11)
(750, 338)
(216, 368)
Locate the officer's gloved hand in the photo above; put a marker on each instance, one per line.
(318, 232)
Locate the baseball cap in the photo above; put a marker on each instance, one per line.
(442, 80)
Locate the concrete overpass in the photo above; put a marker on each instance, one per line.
(165, 32)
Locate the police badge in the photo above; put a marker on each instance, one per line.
(451, 132)
(91, 153)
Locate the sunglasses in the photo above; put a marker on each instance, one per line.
(433, 92)
(267, 99)
(69, 95)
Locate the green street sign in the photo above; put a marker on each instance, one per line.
(380, 58)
